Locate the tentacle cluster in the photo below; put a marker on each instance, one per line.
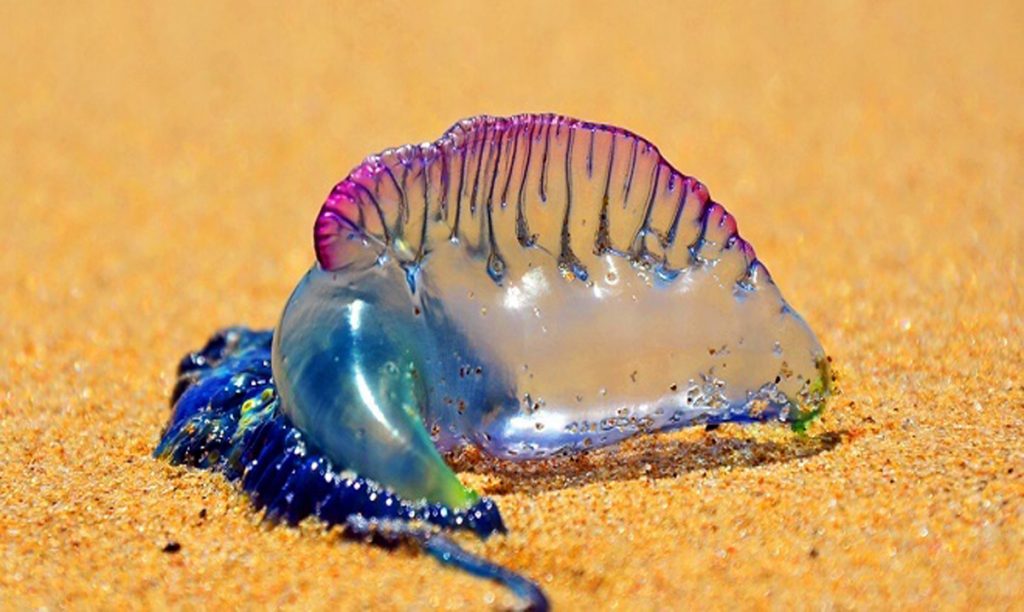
(226, 418)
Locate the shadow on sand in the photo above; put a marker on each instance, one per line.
(659, 456)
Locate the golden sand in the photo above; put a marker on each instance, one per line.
(160, 168)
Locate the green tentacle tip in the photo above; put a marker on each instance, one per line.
(799, 425)
(817, 394)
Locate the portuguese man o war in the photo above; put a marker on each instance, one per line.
(531, 286)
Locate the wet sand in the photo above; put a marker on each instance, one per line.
(160, 169)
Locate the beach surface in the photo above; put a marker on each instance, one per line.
(160, 170)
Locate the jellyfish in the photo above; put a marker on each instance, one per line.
(531, 286)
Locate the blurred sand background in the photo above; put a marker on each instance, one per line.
(160, 168)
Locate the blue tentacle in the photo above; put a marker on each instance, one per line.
(446, 551)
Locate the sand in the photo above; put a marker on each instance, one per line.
(160, 168)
